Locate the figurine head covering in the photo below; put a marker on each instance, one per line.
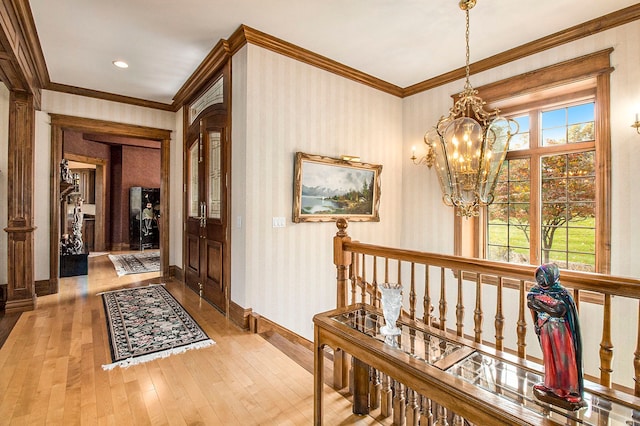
(547, 275)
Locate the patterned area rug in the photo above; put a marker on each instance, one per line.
(147, 323)
(136, 263)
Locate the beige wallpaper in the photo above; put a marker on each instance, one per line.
(287, 273)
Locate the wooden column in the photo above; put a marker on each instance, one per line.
(20, 289)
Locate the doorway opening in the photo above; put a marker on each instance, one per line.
(107, 235)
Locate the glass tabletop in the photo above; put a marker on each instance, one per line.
(425, 346)
(513, 383)
(505, 379)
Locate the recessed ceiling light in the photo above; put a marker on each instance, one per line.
(121, 64)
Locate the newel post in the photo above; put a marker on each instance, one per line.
(342, 260)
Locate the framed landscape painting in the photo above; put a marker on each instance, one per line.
(326, 189)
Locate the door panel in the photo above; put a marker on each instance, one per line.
(214, 196)
(193, 256)
(193, 226)
(206, 225)
(214, 288)
(215, 233)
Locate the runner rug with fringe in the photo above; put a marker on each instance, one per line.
(147, 323)
(136, 263)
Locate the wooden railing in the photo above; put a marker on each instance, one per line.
(434, 283)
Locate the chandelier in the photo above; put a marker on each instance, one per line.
(470, 145)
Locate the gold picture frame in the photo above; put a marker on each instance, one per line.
(326, 189)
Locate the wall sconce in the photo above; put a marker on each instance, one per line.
(636, 124)
(427, 160)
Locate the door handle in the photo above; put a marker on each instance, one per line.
(203, 214)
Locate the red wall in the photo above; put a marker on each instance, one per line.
(74, 143)
(126, 166)
(132, 166)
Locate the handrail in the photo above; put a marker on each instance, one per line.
(357, 266)
(599, 283)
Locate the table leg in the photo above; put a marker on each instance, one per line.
(360, 387)
(318, 369)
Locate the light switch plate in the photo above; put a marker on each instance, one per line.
(278, 222)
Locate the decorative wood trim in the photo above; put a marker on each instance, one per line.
(3, 296)
(59, 123)
(85, 159)
(244, 34)
(603, 170)
(97, 94)
(22, 67)
(285, 48)
(261, 324)
(303, 55)
(554, 75)
(239, 315)
(54, 205)
(203, 75)
(100, 196)
(20, 176)
(90, 125)
(176, 273)
(594, 26)
(43, 288)
(163, 221)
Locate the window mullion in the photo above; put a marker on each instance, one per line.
(535, 200)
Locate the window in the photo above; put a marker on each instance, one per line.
(563, 152)
(552, 198)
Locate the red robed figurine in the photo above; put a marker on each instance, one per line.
(556, 322)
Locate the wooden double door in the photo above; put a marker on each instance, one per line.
(207, 248)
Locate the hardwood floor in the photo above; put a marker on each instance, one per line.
(51, 369)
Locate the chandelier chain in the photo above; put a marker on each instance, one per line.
(467, 83)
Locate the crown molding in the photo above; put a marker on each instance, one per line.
(225, 49)
(203, 74)
(285, 48)
(91, 93)
(22, 64)
(603, 23)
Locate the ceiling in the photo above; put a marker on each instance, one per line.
(402, 42)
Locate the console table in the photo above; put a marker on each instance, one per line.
(473, 381)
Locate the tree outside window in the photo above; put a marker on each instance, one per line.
(547, 184)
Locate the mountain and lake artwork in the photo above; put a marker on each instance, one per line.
(328, 188)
